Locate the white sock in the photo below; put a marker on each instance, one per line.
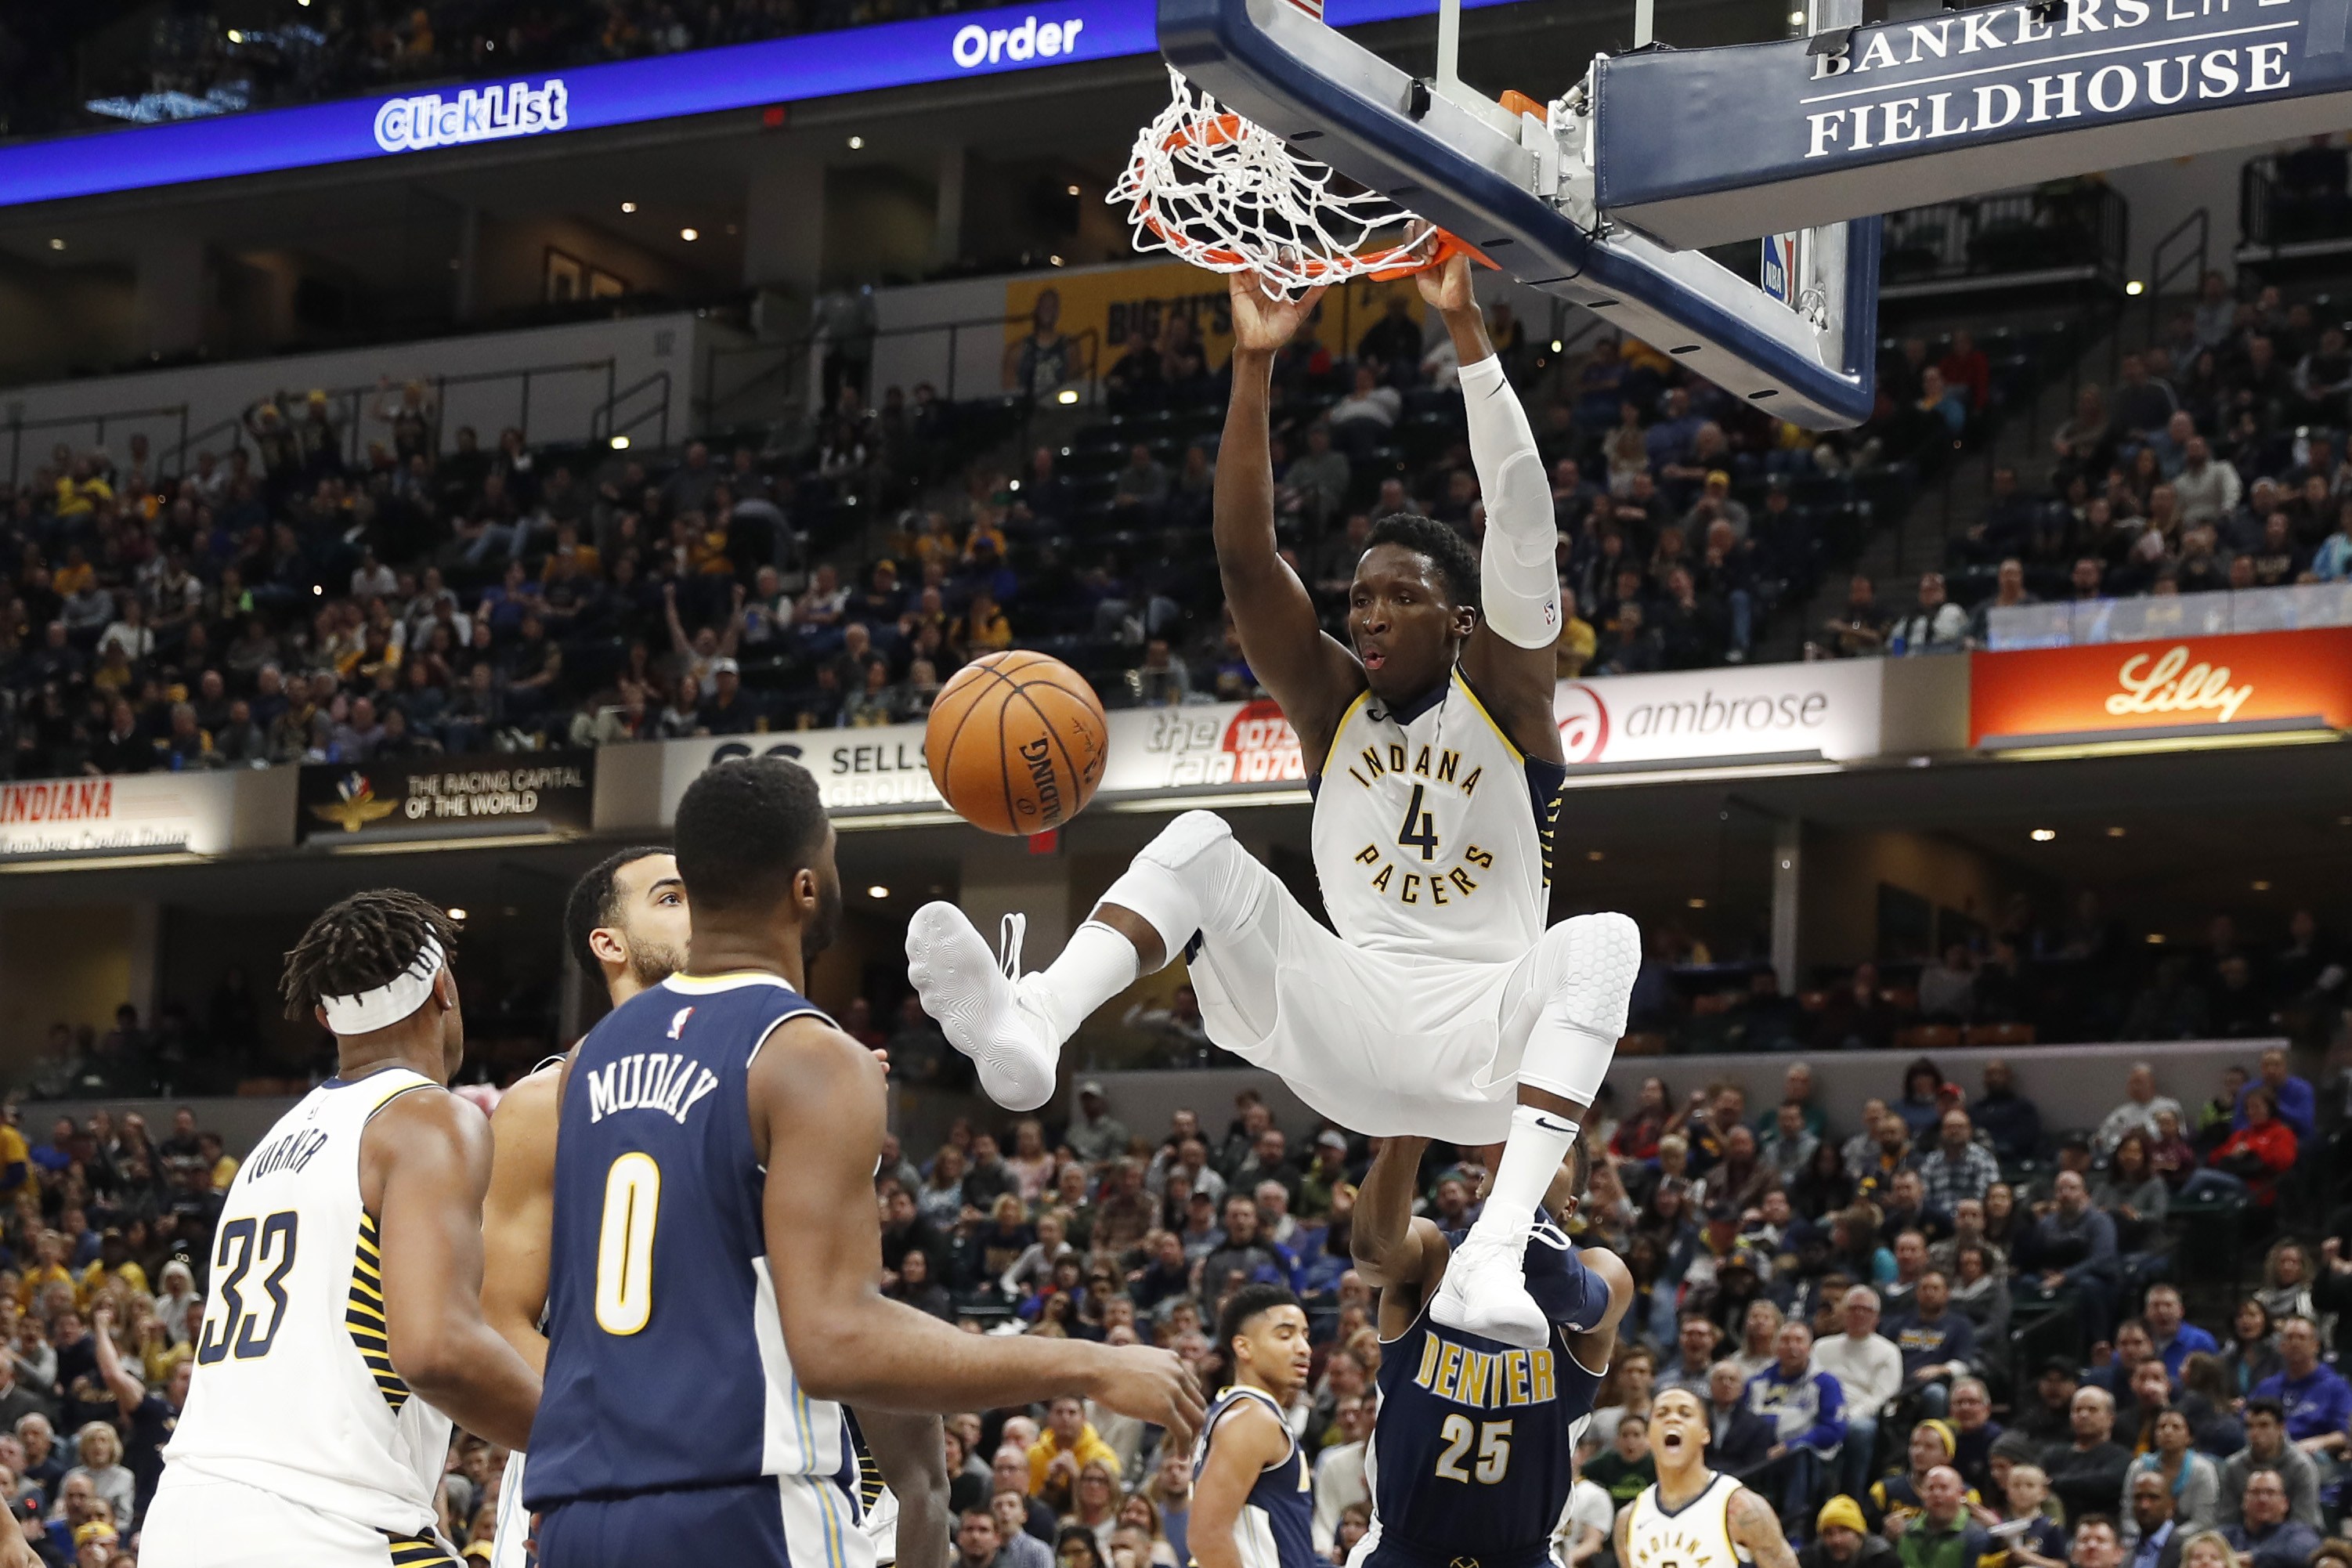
(1098, 963)
(1539, 1141)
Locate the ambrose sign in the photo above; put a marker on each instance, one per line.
(2044, 694)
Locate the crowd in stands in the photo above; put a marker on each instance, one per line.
(1931, 1327)
(2215, 461)
(2034, 977)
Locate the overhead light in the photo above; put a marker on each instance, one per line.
(2261, 886)
(1557, 346)
(1067, 396)
(1054, 260)
(857, 143)
(620, 443)
(628, 206)
(2114, 833)
(878, 891)
(2156, 938)
(56, 245)
(1796, 19)
(2134, 288)
(2044, 834)
(1595, 855)
(457, 913)
(235, 36)
(1074, 191)
(317, 590)
(1699, 904)
(689, 235)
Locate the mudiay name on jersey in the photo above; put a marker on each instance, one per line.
(1428, 763)
(291, 1152)
(649, 1080)
(1487, 1380)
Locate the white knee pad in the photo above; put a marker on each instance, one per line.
(1191, 878)
(1593, 960)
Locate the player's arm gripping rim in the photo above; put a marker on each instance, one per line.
(817, 1112)
(425, 1165)
(1248, 1438)
(1754, 1527)
(1511, 663)
(1310, 674)
(914, 1463)
(519, 1213)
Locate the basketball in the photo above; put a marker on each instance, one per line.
(1016, 742)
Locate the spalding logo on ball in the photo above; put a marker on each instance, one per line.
(1016, 742)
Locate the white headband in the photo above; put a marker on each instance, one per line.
(388, 1002)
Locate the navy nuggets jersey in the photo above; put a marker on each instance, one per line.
(1473, 1451)
(1276, 1526)
(666, 1369)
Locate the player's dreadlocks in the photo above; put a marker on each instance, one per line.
(361, 944)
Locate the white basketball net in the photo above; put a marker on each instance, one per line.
(1215, 190)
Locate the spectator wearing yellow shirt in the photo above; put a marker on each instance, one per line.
(223, 1165)
(16, 1154)
(80, 490)
(76, 577)
(1576, 646)
(48, 1268)
(113, 1262)
(1068, 1444)
(986, 629)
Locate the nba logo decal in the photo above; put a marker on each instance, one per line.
(1780, 280)
(678, 1023)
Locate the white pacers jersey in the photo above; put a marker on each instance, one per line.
(1433, 832)
(1695, 1535)
(294, 1391)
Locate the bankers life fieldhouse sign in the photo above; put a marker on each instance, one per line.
(1694, 145)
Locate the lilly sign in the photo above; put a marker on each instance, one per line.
(621, 92)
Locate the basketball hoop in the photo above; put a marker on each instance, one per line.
(1214, 189)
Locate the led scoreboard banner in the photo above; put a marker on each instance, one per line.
(593, 97)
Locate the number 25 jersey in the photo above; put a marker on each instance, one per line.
(666, 1360)
(1433, 832)
(294, 1392)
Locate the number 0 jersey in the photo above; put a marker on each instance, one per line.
(294, 1392)
(1433, 832)
(666, 1360)
(1474, 1450)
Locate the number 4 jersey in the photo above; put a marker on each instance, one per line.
(294, 1392)
(1432, 831)
(1473, 1453)
(666, 1360)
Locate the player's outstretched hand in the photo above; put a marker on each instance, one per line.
(1263, 323)
(1152, 1385)
(1447, 285)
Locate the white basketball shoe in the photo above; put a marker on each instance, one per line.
(981, 1006)
(1485, 1291)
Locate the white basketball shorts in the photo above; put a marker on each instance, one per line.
(207, 1523)
(1384, 1044)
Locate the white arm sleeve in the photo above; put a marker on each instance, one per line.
(1518, 579)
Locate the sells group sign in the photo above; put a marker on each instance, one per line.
(1953, 104)
(143, 813)
(448, 797)
(2039, 695)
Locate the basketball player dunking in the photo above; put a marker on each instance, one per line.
(1474, 1450)
(625, 921)
(715, 1251)
(342, 1324)
(1693, 1516)
(1437, 768)
(1253, 1495)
